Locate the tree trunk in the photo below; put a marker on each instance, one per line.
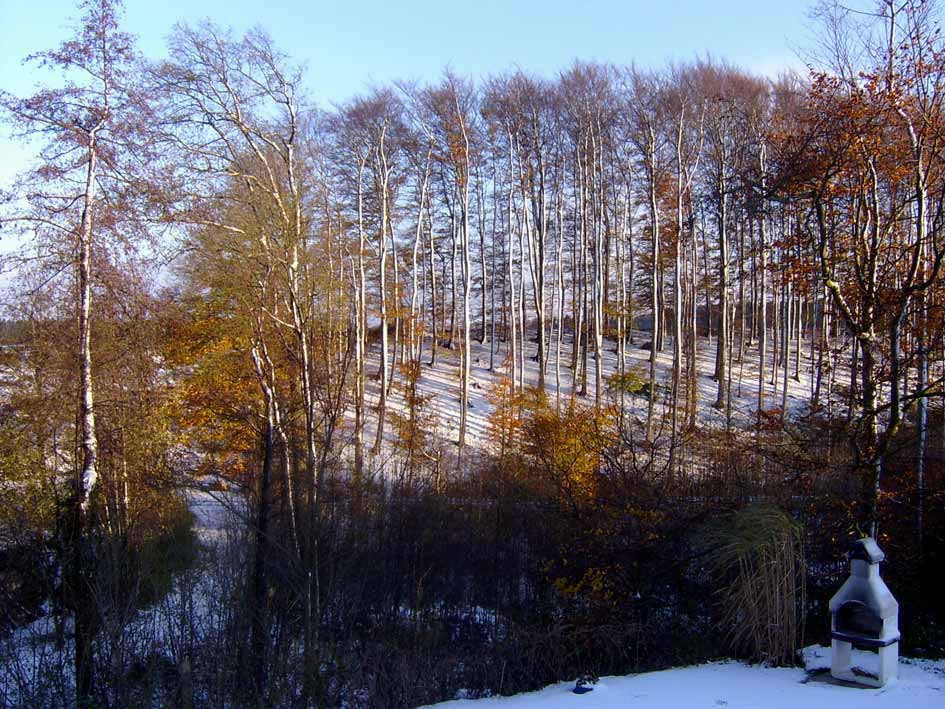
(722, 357)
(655, 286)
(82, 562)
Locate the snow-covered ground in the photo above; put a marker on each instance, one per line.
(216, 515)
(733, 685)
(440, 383)
(194, 610)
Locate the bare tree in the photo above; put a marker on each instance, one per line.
(95, 146)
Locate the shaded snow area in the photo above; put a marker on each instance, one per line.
(733, 685)
(216, 515)
(194, 612)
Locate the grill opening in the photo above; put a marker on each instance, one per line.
(858, 618)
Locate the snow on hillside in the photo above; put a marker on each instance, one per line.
(441, 383)
(733, 685)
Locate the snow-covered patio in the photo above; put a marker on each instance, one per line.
(734, 685)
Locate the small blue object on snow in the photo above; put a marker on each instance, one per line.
(580, 687)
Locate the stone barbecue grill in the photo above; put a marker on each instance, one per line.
(864, 615)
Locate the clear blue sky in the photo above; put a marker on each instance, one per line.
(348, 45)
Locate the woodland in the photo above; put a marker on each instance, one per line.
(465, 387)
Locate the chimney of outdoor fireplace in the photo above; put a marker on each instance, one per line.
(864, 615)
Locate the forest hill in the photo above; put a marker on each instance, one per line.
(348, 281)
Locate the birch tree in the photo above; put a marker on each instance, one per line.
(92, 126)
